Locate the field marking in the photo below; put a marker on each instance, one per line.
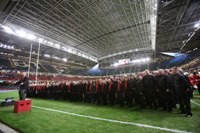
(117, 121)
(4, 91)
(195, 103)
(113, 121)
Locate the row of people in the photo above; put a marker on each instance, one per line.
(163, 88)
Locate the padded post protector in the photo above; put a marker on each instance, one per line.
(22, 105)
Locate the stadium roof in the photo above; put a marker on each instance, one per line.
(177, 27)
(87, 31)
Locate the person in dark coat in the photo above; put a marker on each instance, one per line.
(130, 91)
(149, 89)
(120, 92)
(23, 86)
(87, 91)
(169, 91)
(181, 87)
(104, 91)
(190, 90)
(93, 91)
(112, 90)
(140, 98)
(99, 86)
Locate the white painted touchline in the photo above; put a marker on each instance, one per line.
(195, 103)
(113, 121)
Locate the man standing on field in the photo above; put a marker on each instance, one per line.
(23, 86)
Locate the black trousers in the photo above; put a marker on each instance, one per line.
(141, 99)
(22, 94)
(150, 96)
(198, 88)
(166, 101)
(112, 98)
(98, 98)
(120, 98)
(184, 100)
(104, 98)
(129, 98)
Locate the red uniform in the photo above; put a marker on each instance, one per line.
(194, 80)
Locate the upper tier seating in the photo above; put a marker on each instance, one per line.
(5, 63)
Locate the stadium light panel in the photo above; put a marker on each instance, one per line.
(31, 37)
(195, 48)
(46, 55)
(148, 59)
(57, 45)
(25, 34)
(8, 30)
(57, 58)
(40, 40)
(5, 46)
(197, 25)
(50, 43)
(21, 33)
(115, 64)
(65, 59)
(172, 54)
(45, 41)
(64, 48)
(95, 67)
(79, 54)
(141, 60)
(69, 50)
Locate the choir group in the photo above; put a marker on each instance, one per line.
(162, 89)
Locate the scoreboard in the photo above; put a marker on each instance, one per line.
(124, 61)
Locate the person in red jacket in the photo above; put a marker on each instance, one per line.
(195, 81)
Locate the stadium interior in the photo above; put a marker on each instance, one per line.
(63, 41)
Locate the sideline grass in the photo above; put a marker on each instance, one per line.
(39, 121)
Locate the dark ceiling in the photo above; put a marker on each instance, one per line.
(176, 20)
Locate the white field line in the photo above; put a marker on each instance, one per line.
(117, 121)
(113, 121)
(195, 103)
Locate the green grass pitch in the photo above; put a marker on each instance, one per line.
(42, 121)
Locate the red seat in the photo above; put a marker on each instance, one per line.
(22, 105)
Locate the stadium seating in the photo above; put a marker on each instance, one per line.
(49, 68)
(45, 67)
(5, 63)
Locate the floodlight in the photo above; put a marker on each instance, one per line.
(95, 67)
(115, 64)
(31, 37)
(21, 33)
(45, 41)
(47, 55)
(40, 40)
(65, 59)
(64, 48)
(197, 25)
(69, 50)
(148, 59)
(57, 45)
(8, 30)
(50, 43)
